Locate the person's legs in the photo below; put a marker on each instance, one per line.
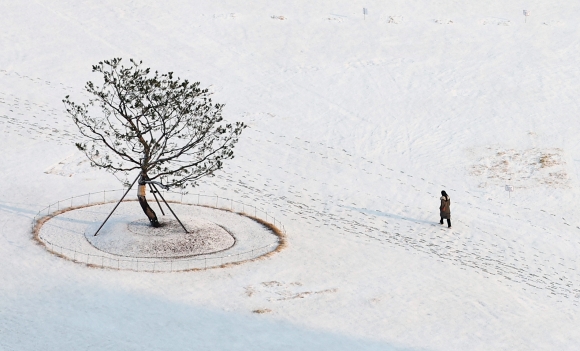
(448, 222)
(441, 221)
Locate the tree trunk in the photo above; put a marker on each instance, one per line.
(141, 190)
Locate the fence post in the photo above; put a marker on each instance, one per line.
(89, 200)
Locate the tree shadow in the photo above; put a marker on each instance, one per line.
(11, 207)
(116, 319)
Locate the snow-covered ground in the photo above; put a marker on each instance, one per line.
(355, 126)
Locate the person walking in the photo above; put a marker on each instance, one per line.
(445, 208)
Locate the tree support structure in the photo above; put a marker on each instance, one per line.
(143, 181)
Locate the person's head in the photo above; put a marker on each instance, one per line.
(443, 193)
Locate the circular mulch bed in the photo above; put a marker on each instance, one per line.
(139, 239)
(215, 237)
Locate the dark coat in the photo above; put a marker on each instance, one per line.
(445, 208)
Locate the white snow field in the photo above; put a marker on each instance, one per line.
(355, 126)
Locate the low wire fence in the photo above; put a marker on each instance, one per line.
(107, 260)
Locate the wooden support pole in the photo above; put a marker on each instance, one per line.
(174, 215)
(117, 205)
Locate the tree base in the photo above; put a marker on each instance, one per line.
(148, 211)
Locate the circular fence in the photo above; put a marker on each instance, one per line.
(84, 254)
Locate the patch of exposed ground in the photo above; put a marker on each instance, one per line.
(522, 168)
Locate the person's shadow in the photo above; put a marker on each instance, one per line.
(388, 215)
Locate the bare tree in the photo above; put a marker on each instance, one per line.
(168, 129)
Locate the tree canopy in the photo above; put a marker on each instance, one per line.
(167, 128)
